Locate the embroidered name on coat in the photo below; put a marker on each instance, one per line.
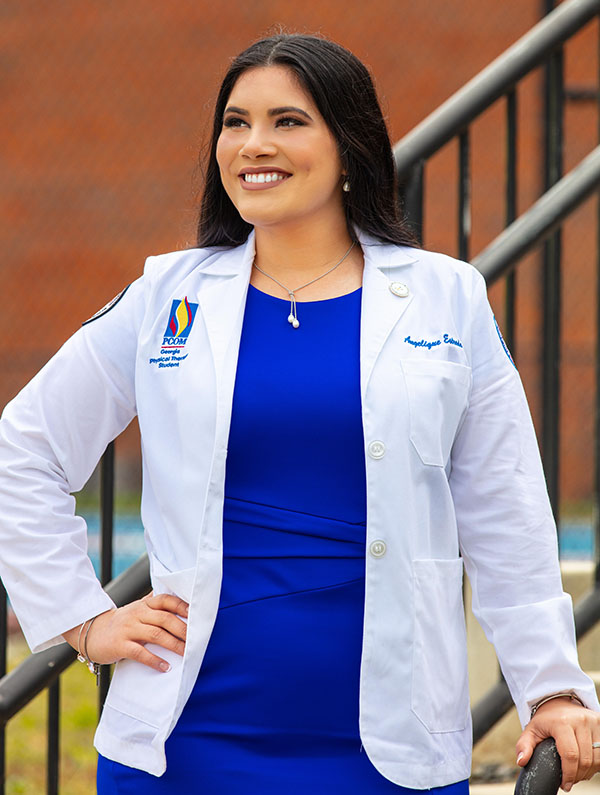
(429, 344)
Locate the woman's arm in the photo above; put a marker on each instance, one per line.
(51, 438)
(509, 545)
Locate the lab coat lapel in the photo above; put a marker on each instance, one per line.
(221, 300)
(221, 291)
(381, 308)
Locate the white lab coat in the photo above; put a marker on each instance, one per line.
(452, 470)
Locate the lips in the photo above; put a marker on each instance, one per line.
(262, 178)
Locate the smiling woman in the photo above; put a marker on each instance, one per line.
(317, 472)
(272, 129)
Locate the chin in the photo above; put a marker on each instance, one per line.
(263, 219)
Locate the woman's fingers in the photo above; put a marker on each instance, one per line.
(568, 749)
(122, 633)
(141, 654)
(167, 621)
(583, 736)
(169, 602)
(152, 633)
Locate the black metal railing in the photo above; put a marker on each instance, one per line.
(541, 47)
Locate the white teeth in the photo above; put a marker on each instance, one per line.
(263, 177)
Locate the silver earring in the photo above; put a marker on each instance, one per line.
(346, 185)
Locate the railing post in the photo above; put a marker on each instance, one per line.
(553, 134)
(464, 195)
(53, 738)
(411, 198)
(107, 504)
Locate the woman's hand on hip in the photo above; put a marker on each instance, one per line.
(574, 729)
(123, 632)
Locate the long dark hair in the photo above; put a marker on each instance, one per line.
(343, 91)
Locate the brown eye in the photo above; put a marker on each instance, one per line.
(233, 121)
(289, 121)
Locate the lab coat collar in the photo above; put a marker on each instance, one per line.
(238, 261)
(222, 300)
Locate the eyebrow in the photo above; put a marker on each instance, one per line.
(271, 112)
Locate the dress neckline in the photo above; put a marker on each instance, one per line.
(319, 301)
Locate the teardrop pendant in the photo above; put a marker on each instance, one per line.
(290, 318)
(295, 322)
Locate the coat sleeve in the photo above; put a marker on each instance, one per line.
(51, 437)
(506, 529)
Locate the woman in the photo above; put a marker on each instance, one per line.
(329, 420)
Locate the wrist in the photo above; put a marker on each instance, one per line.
(71, 636)
(565, 694)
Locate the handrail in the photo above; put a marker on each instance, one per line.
(541, 219)
(492, 82)
(38, 671)
(543, 773)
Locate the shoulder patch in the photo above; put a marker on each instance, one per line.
(107, 307)
(504, 345)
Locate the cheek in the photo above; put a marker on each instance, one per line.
(223, 155)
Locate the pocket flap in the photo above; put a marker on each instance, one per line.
(180, 583)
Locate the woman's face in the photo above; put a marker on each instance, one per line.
(278, 160)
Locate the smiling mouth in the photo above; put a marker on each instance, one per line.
(264, 177)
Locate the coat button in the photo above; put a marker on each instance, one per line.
(377, 449)
(399, 289)
(378, 549)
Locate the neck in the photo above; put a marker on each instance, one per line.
(296, 255)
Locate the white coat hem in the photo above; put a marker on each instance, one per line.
(424, 776)
(133, 754)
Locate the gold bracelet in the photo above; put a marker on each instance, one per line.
(566, 694)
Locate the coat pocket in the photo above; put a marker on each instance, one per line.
(141, 692)
(180, 582)
(438, 393)
(144, 694)
(440, 686)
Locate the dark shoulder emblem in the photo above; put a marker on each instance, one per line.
(504, 345)
(110, 305)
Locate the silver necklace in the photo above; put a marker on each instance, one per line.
(293, 316)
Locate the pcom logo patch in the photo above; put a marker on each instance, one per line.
(179, 325)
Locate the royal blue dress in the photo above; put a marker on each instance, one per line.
(275, 707)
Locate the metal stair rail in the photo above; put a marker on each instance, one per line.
(542, 46)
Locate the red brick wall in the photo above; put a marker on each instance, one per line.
(105, 105)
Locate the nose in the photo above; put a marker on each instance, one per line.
(257, 143)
